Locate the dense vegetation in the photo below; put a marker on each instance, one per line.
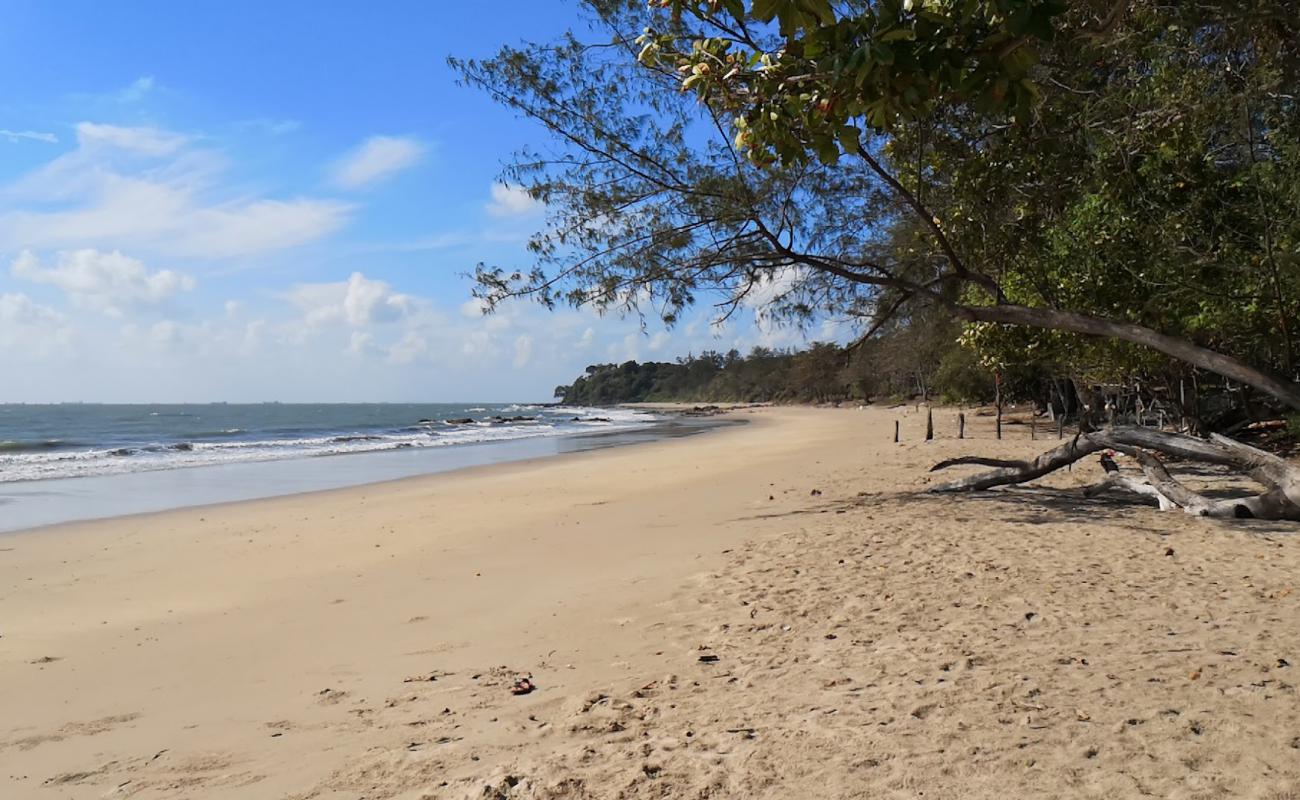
(913, 360)
(762, 376)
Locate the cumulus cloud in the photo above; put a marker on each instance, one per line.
(361, 343)
(35, 136)
(18, 309)
(378, 158)
(511, 201)
(474, 307)
(107, 282)
(165, 333)
(324, 345)
(151, 190)
(411, 347)
(358, 301)
(29, 329)
(523, 350)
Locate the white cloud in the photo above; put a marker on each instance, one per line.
(770, 292)
(361, 344)
(629, 349)
(371, 301)
(274, 127)
(478, 344)
(274, 353)
(146, 141)
(259, 226)
(523, 351)
(107, 282)
(165, 333)
(29, 330)
(378, 158)
(19, 309)
(152, 191)
(511, 201)
(137, 90)
(409, 348)
(357, 301)
(251, 340)
(774, 288)
(35, 136)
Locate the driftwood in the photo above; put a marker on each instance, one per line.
(1280, 478)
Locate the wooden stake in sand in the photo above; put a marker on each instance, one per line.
(895, 431)
(961, 426)
(1033, 427)
(997, 383)
(929, 424)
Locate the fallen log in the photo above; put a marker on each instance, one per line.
(1009, 472)
(1128, 483)
(1279, 477)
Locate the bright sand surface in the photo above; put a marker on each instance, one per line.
(871, 641)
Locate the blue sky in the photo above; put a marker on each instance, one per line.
(248, 201)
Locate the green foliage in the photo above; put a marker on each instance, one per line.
(813, 375)
(962, 378)
(805, 78)
(1157, 186)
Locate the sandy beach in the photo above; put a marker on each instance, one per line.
(773, 610)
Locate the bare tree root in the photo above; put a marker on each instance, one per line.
(1280, 478)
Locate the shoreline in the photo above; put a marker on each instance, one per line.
(45, 502)
(775, 610)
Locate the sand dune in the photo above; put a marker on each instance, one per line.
(698, 621)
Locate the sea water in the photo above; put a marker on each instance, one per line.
(67, 462)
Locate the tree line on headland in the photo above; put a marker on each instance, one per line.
(910, 362)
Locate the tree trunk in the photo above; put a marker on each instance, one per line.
(997, 383)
